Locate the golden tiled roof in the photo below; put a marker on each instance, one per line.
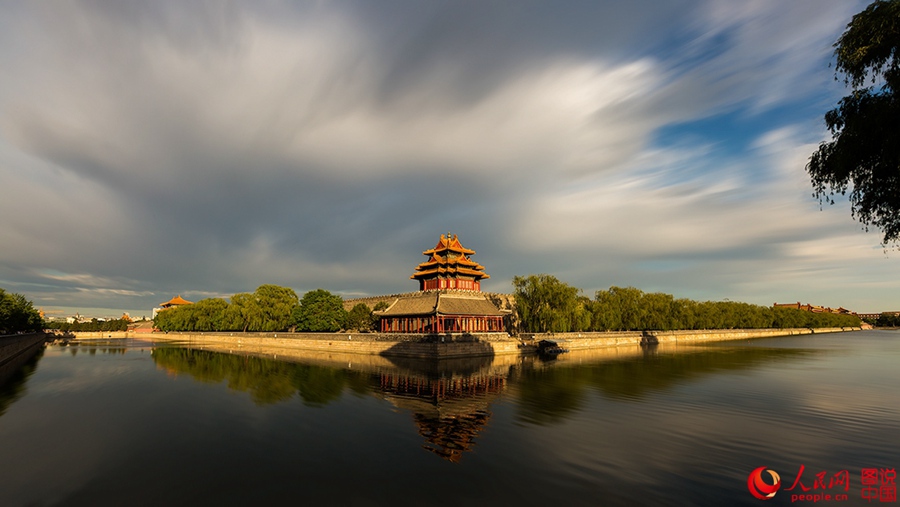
(442, 303)
(449, 242)
(449, 257)
(176, 301)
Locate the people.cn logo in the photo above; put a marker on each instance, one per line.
(759, 488)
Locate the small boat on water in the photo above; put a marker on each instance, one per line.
(551, 348)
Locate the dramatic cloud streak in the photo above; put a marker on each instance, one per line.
(148, 149)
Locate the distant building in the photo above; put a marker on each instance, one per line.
(77, 319)
(172, 303)
(175, 301)
(874, 316)
(814, 309)
(449, 299)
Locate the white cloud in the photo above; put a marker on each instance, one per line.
(169, 147)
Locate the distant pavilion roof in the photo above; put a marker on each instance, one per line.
(176, 301)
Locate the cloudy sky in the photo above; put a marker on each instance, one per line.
(149, 149)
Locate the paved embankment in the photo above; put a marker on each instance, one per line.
(441, 346)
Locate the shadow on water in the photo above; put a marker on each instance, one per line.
(452, 366)
(429, 346)
(14, 377)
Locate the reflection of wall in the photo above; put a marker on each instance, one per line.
(420, 346)
(19, 356)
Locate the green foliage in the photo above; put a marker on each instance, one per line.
(887, 320)
(204, 315)
(17, 314)
(381, 305)
(208, 314)
(320, 311)
(630, 309)
(269, 308)
(618, 309)
(864, 155)
(243, 314)
(360, 318)
(547, 304)
(94, 325)
(276, 305)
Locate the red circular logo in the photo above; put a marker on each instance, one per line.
(759, 488)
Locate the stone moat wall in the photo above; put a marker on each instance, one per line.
(575, 341)
(16, 345)
(445, 345)
(16, 350)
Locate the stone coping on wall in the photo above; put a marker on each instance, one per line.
(363, 337)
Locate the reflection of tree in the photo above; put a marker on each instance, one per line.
(13, 377)
(449, 411)
(550, 394)
(266, 380)
(319, 386)
(109, 351)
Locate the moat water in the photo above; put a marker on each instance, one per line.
(129, 422)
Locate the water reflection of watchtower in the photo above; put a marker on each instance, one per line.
(449, 411)
(449, 298)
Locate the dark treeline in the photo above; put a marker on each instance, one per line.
(546, 304)
(885, 320)
(266, 380)
(269, 308)
(17, 314)
(93, 325)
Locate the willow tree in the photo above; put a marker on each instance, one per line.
(863, 156)
(277, 306)
(546, 304)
